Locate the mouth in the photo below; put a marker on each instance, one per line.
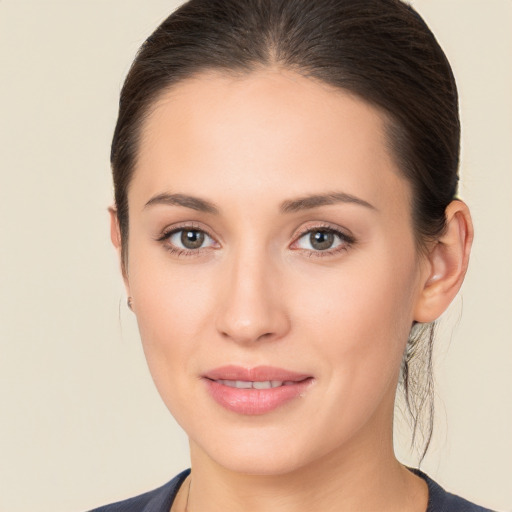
(249, 384)
(255, 391)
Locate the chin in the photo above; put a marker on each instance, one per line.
(263, 452)
(259, 462)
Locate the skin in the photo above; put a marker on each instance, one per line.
(258, 293)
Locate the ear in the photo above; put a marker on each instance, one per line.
(447, 263)
(115, 236)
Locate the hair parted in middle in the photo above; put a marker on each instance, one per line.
(379, 50)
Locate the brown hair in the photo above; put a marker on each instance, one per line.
(380, 50)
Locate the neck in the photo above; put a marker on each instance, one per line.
(365, 476)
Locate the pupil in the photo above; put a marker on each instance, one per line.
(192, 239)
(321, 240)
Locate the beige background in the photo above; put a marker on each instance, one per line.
(80, 422)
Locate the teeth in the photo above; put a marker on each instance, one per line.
(244, 384)
(262, 385)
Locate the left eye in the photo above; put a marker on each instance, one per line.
(189, 239)
(321, 240)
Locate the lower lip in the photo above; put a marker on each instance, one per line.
(255, 401)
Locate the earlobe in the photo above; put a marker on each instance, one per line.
(448, 262)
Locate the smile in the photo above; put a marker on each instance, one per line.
(255, 391)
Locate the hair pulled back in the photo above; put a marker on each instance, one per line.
(379, 50)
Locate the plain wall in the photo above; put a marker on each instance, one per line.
(80, 421)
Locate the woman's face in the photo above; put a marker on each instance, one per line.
(273, 268)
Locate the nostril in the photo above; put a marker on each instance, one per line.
(247, 335)
(265, 335)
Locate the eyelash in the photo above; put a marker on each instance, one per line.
(177, 251)
(346, 241)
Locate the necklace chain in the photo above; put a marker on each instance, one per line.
(188, 493)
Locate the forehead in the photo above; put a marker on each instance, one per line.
(272, 132)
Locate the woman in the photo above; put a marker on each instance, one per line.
(286, 219)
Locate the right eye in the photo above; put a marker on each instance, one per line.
(187, 240)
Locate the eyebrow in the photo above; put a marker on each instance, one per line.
(288, 206)
(195, 203)
(316, 200)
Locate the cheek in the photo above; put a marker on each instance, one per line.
(359, 316)
(173, 305)
(364, 296)
(356, 323)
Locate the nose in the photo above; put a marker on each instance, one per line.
(252, 306)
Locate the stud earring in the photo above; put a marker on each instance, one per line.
(129, 303)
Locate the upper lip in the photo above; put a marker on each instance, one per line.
(255, 374)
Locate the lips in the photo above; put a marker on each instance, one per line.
(254, 391)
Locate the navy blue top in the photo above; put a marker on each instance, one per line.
(161, 499)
